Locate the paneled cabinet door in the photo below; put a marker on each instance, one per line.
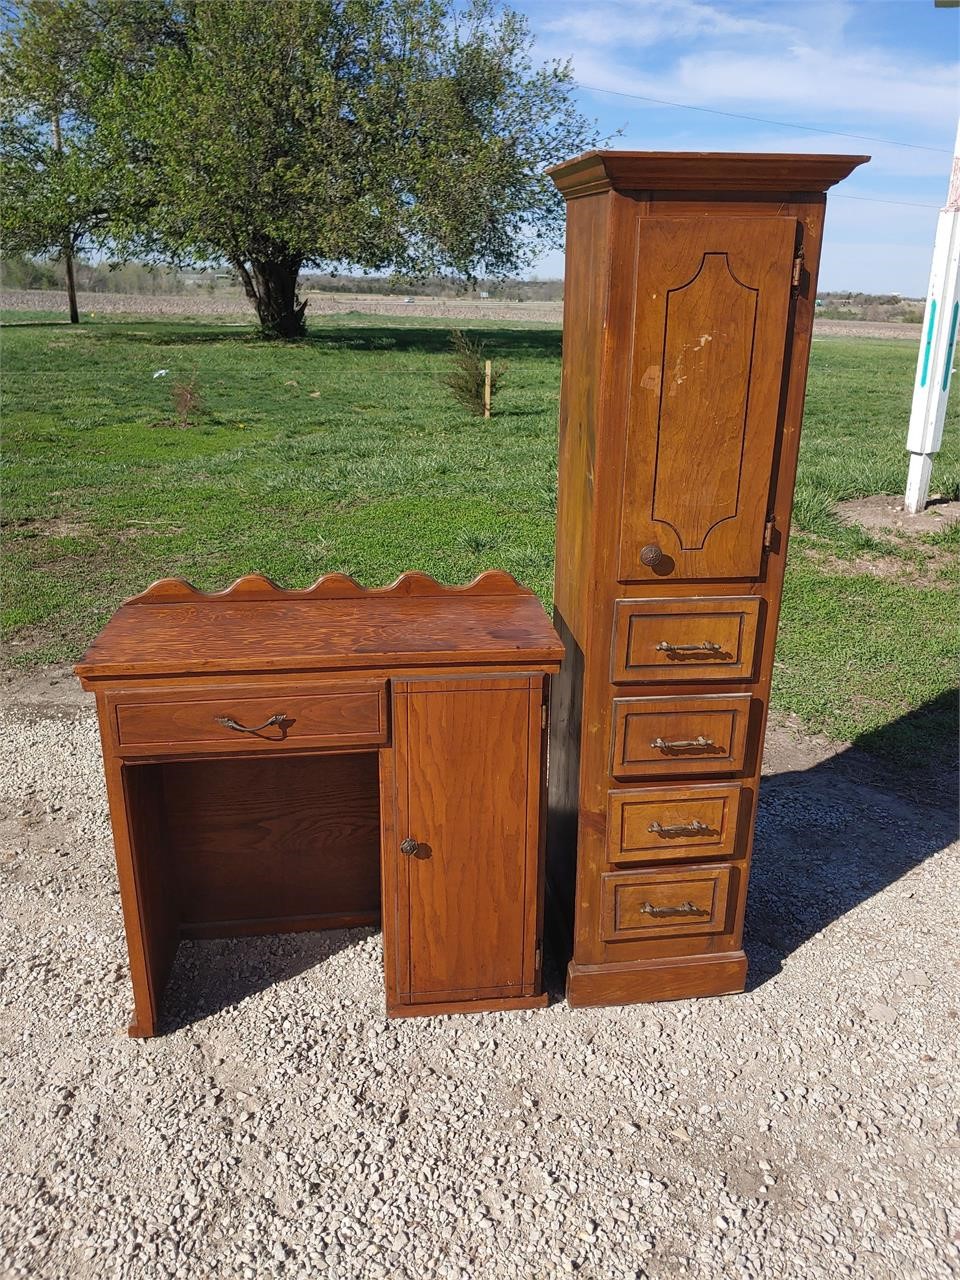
(467, 764)
(713, 296)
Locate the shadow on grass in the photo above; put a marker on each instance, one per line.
(832, 836)
(423, 339)
(36, 324)
(435, 340)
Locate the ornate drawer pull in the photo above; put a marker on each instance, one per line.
(244, 728)
(708, 646)
(681, 829)
(684, 909)
(688, 742)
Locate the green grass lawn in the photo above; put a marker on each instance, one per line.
(347, 452)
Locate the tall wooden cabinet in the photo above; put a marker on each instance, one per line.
(688, 307)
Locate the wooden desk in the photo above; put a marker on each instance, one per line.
(284, 760)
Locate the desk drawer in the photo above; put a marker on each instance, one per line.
(682, 639)
(659, 737)
(653, 904)
(663, 824)
(249, 718)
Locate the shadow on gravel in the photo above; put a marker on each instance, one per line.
(834, 835)
(215, 974)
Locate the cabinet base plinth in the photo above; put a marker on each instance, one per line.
(682, 978)
(493, 1004)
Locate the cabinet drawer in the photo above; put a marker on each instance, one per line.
(659, 824)
(681, 639)
(249, 718)
(657, 737)
(651, 904)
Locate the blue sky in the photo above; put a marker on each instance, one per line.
(886, 68)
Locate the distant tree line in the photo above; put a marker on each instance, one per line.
(870, 306)
(20, 271)
(507, 290)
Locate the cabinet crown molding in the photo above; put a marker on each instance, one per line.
(709, 171)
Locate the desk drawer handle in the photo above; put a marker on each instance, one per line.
(245, 728)
(701, 742)
(708, 646)
(684, 909)
(681, 829)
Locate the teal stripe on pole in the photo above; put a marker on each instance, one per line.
(951, 343)
(929, 347)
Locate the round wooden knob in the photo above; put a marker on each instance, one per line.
(651, 555)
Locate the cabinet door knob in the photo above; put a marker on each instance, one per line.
(409, 846)
(651, 555)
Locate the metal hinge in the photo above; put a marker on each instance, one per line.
(797, 270)
(543, 716)
(768, 532)
(538, 959)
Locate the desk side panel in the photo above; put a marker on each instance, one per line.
(135, 799)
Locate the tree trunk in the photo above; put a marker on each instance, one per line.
(71, 285)
(67, 246)
(271, 285)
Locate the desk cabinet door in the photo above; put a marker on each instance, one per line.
(467, 779)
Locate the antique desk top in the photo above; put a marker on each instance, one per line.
(173, 629)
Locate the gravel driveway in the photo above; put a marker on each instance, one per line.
(283, 1128)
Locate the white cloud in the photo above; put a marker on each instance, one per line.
(805, 63)
(745, 58)
(641, 23)
(798, 84)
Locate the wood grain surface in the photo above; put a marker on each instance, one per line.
(684, 639)
(467, 902)
(645, 729)
(656, 824)
(700, 273)
(219, 831)
(211, 635)
(707, 360)
(708, 172)
(344, 715)
(663, 902)
(263, 840)
(330, 586)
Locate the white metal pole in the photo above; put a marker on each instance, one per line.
(937, 347)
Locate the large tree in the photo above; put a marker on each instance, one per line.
(404, 135)
(56, 181)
